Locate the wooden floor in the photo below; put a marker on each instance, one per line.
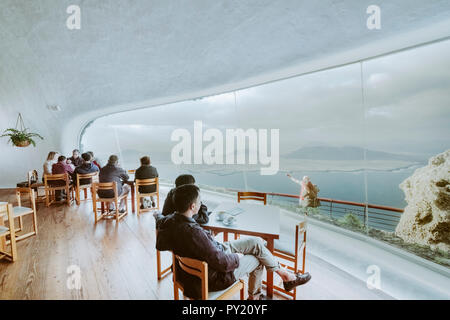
(118, 261)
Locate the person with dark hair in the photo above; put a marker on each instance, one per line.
(227, 262)
(202, 215)
(85, 168)
(112, 172)
(75, 159)
(62, 166)
(59, 168)
(94, 160)
(146, 171)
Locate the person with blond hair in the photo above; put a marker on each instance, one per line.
(308, 192)
(52, 158)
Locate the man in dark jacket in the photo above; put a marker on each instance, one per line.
(202, 216)
(113, 173)
(146, 171)
(179, 233)
(75, 158)
(85, 168)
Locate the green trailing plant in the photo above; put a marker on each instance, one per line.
(21, 137)
(350, 220)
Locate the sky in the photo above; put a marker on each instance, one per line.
(406, 109)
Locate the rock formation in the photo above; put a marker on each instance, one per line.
(426, 219)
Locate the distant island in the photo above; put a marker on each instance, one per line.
(349, 153)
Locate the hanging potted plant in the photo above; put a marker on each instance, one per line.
(21, 137)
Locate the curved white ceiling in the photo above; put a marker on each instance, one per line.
(136, 53)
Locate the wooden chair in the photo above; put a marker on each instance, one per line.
(93, 177)
(50, 189)
(146, 182)
(258, 196)
(164, 272)
(96, 186)
(6, 210)
(200, 269)
(33, 182)
(19, 212)
(291, 249)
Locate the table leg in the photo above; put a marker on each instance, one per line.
(269, 288)
(225, 236)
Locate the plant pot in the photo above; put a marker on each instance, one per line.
(22, 144)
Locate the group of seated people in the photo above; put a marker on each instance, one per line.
(179, 230)
(111, 172)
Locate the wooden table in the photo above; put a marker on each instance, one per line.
(256, 220)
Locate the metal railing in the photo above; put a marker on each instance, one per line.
(371, 215)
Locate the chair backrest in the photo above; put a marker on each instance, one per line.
(194, 267)
(300, 235)
(30, 192)
(32, 177)
(90, 176)
(258, 196)
(131, 171)
(96, 186)
(56, 177)
(147, 182)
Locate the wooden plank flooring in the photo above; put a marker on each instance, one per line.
(118, 261)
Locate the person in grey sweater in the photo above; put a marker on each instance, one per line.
(112, 172)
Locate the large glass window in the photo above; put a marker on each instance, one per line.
(357, 131)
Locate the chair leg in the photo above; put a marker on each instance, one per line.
(175, 292)
(158, 264)
(77, 196)
(68, 196)
(138, 204)
(242, 295)
(35, 222)
(117, 211)
(94, 206)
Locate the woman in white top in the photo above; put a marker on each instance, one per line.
(51, 159)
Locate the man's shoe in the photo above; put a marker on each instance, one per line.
(122, 211)
(301, 279)
(261, 297)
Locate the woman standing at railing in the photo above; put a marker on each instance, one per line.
(308, 192)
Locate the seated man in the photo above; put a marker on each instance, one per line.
(85, 168)
(61, 167)
(111, 172)
(146, 171)
(94, 160)
(202, 216)
(75, 159)
(227, 262)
